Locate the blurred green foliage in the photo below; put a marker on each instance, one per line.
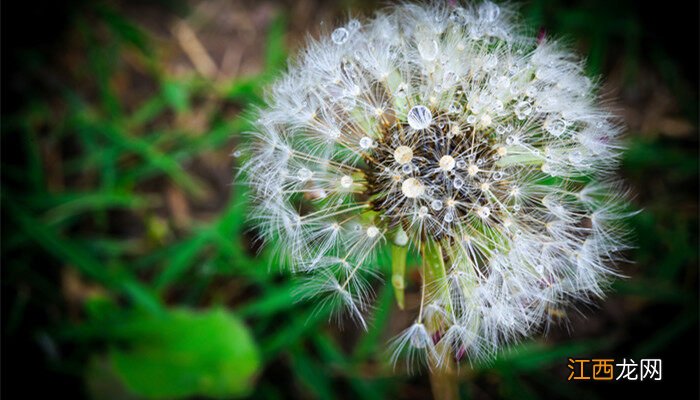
(184, 353)
(107, 218)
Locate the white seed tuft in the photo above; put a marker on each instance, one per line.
(447, 163)
(372, 231)
(412, 188)
(403, 155)
(346, 181)
(484, 212)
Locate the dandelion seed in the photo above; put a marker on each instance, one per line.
(447, 163)
(454, 131)
(403, 154)
(484, 212)
(346, 181)
(412, 188)
(372, 231)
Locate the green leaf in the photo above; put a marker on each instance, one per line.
(311, 375)
(81, 203)
(125, 30)
(181, 259)
(146, 112)
(246, 90)
(275, 300)
(333, 356)
(185, 353)
(300, 325)
(115, 277)
(176, 95)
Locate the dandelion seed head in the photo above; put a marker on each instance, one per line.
(442, 124)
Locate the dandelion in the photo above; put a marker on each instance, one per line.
(442, 130)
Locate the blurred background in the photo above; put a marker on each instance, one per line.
(128, 268)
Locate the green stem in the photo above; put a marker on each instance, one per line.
(444, 382)
(443, 379)
(435, 272)
(398, 272)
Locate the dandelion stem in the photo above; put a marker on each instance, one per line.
(443, 378)
(444, 381)
(398, 272)
(435, 273)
